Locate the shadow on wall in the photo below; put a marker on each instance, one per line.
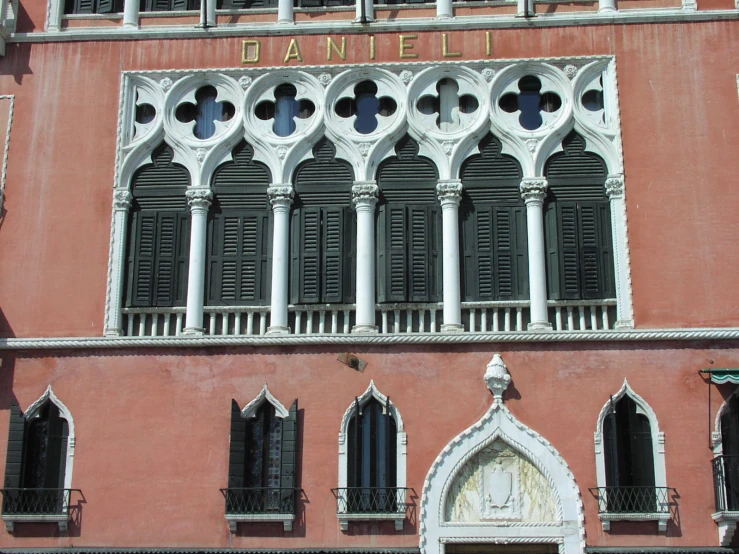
(16, 61)
(6, 331)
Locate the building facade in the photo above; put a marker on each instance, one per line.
(433, 278)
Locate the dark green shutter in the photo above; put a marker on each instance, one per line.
(141, 262)
(569, 243)
(105, 6)
(288, 469)
(596, 250)
(333, 239)
(395, 277)
(53, 478)
(171, 250)
(483, 232)
(419, 262)
(84, 6)
(504, 255)
(551, 239)
(14, 457)
(309, 253)
(237, 454)
(179, 5)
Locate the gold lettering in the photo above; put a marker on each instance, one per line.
(293, 51)
(250, 50)
(488, 44)
(372, 47)
(404, 45)
(332, 47)
(445, 48)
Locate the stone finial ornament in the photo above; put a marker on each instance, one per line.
(497, 377)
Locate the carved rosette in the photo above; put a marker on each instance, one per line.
(449, 192)
(364, 194)
(497, 377)
(199, 198)
(534, 190)
(615, 187)
(122, 200)
(280, 196)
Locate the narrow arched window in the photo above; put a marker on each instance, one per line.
(372, 471)
(727, 466)
(629, 459)
(409, 232)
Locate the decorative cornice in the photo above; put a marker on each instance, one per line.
(365, 193)
(449, 191)
(122, 200)
(199, 198)
(280, 195)
(615, 186)
(534, 190)
(726, 334)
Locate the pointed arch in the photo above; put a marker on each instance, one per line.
(250, 410)
(373, 392)
(658, 437)
(499, 424)
(716, 436)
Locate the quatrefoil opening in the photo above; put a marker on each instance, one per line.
(448, 104)
(145, 114)
(206, 112)
(530, 103)
(365, 106)
(284, 110)
(592, 100)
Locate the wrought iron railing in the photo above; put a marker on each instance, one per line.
(36, 501)
(633, 500)
(370, 500)
(726, 483)
(259, 500)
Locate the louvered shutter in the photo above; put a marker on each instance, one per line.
(333, 239)
(180, 5)
(596, 250)
(469, 265)
(419, 262)
(309, 255)
(520, 244)
(253, 269)
(350, 255)
(504, 253)
(141, 259)
(610, 450)
(84, 6)
(237, 454)
(105, 6)
(484, 254)
(288, 481)
(14, 456)
(434, 238)
(551, 239)
(169, 285)
(395, 254)
(569, 243)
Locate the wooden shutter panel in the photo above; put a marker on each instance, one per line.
(84, 6)
(350, 256)
(237, 454)
(434, 239)
(504, 254)
(105, 6)
(642, 459)
(310, 255)
(610, 450)
(253, 268)
(520, 245)
(395, 254)
(596, 250)
(419, 262)
(569, 258)
(142, 255)
(484, 253)
(167, 281)
(53, 478)
(551, 239)
(289, 459)
(14, 456)
(333, 246)
(179, 5)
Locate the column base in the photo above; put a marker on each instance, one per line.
(624, 324)
(539, 327)
(113, 332)
(193, 332)
(365, 330)
(286, 22)
(278, 330)
(608, 9)
(130, 25)
(445, 16)
(452, 328)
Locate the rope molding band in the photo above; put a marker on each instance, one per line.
(726, 334)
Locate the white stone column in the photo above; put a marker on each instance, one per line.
(285, 11)
(369, 9)
(444, 9)
(199, 200)
(121, 205)
(607, 6)
(450, 194)
(525, 8)
(211, 13)
(131, 14)
(281, 198)
(364, 199)
(624, 305)
(534, 192)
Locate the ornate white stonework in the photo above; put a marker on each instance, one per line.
(534, 190)
(199, 198)
(250, 410)
(280, 195)
(500, 482)
(122, 200)
(364, 193)
(449, 191)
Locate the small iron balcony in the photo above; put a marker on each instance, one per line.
(36, 505)
(265, 504)
(371, 503)
(633, 504)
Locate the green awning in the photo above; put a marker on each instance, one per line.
(723, 376)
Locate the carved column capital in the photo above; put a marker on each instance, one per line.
(533, 191)
(280, 196)
(615, 186)
(449, 192)
(364, 194)
(122, 200)
(199, 199)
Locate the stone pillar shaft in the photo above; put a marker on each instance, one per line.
(533, 192)
(285, 11)
(624, 306)
(281, 198)
(364, 199)
(131, 13)
(450, 195)
(199, 200)
(121, 204)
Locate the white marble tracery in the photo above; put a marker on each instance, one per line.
(500, 482)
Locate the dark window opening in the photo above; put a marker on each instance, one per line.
(284, 110)
(206, 111)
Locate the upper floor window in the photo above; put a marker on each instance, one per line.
(38, 471)
(262, 462)
(493, 224)
(158, 234)
(578, 225)
(409, 227)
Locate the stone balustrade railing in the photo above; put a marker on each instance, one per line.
(582, 315)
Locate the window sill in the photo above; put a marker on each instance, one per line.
(60, 519)
(398, 518)
(660, 517)
(235, 519)
(726, 521)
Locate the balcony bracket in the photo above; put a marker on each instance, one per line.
(397, 518)
(660, 517)
(726, 522)
(235, 519)
(62, 520)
